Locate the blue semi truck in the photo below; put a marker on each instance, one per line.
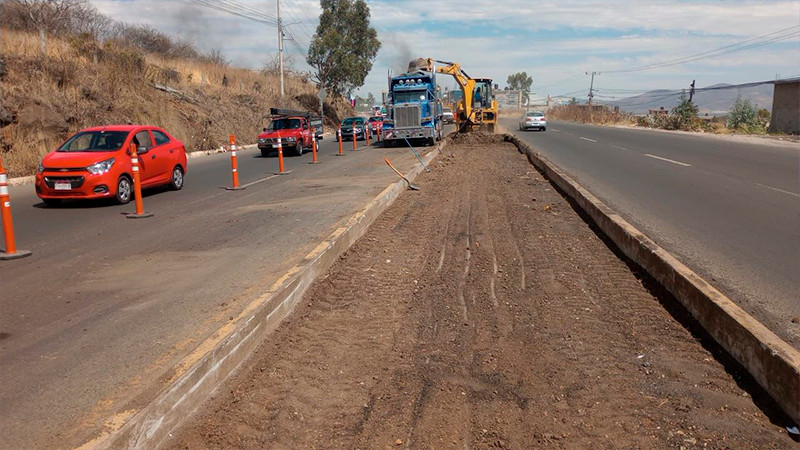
(414, 110)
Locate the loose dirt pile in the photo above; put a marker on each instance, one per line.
(482, 311)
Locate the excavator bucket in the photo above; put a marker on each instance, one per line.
(416, 65)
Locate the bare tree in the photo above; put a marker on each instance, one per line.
(215, 57)
(48, 15)
(88, 20)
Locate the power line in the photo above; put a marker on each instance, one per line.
(227, 8)
(758, 41)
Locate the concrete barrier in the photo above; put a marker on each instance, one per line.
(211, 362)
(772, 362)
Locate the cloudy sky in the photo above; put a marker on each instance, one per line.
(555, 42)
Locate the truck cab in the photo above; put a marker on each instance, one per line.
(414, 111)
(292, 128)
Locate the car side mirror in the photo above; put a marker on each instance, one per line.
(265, 129)
(141, 150)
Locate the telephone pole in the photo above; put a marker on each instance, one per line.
(691, 92)
(280, 44)
(591, 86)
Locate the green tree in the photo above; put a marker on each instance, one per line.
(520, 81)
(685, 114)
(744, 117)
(344, 46)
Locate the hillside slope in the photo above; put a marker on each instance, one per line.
(714, 102)
(45, 98)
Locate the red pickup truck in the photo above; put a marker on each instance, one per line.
(294, 130)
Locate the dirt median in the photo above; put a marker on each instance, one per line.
(482, 311)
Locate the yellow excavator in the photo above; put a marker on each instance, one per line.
(477, 109)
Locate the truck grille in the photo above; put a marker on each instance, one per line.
(407, 116)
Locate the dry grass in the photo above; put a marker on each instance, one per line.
(55, 95)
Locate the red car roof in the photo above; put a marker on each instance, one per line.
(118, 127)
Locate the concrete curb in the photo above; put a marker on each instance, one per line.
(772, 362)
(202, 371)
(20, 181)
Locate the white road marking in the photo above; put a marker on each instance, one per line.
(259, 181)
(587, 139)
(617, 146)
(551, 129)
(668, 160)
(778, 190)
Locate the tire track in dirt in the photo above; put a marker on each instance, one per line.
(559, 345)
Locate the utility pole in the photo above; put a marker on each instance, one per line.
(280, 44)
(691, 92)
(591, 87)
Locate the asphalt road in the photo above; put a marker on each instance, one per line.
(92, 323)
(728, 209)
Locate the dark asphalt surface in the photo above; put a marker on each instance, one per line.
(93, 322)
(730, 210)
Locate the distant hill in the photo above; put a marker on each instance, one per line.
(717, 102)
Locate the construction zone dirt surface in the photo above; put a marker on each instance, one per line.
(484, 312)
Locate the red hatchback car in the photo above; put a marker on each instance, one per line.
(95, 163)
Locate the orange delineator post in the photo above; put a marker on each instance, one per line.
(355, 145)
(366, 133)
(280, 157)
(11, 251)
(339, 135)
(234, 163)
(137, 186)
(314, 146)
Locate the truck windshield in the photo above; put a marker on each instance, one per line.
(286, 124)
(408, 96)
(94, 141)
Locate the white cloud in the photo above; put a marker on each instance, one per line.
(555, 42)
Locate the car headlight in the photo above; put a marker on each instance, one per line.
(290, 138)
(40, 169)
(101, 167)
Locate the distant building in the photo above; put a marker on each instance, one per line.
(786, 107)
(509, 99)
(661, 111)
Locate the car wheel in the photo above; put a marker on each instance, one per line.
(124, 190)
(264, 153)
(544, 128)
(51, 201)
(176, 182)
(298, 148)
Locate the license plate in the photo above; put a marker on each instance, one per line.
(63, 186)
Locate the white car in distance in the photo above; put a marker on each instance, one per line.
(533, 119)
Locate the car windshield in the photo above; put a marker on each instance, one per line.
(376, 119)
(535, 114)
(447, 110)
(286, 124)
(94, 141)
(352, 120)
(408, 96)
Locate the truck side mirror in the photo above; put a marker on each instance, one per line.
(265, 128)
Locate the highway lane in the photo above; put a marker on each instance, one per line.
(92, 322)
(730, 210)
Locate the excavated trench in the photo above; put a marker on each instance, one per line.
(483, 311)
